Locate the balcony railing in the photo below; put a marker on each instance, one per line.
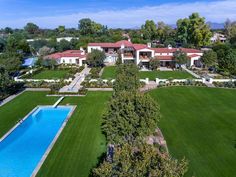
(144, 57)
(128, 55)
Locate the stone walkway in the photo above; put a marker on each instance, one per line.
(75, 85)
(150, 86)
(100, 89)
(208, 84)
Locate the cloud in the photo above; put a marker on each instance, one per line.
(215, 11)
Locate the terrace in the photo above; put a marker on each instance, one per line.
(145, 55)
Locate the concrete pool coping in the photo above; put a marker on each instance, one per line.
(43, 158)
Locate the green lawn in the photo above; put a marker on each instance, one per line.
(200, 124)
(152, 75)
(81, 143)
(18, 108)
(50, 74)
(109, 72)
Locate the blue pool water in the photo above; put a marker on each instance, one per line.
(21, 151)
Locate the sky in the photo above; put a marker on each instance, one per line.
(114, 13)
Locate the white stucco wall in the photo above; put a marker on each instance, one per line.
(90, 48)
(69, 60)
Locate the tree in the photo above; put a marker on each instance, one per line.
(227, 63)
(127, 78)
(2, 45)
(141, 160)
(130, 115)
(31, 28)
(154, 64)
(230, 31)
(88, 27)
(180, 58)
(96, 58)
(63, 45)
(165, 32)
(193, 30)
(4, 79)
(209, 58)
(149, 30)
(45, 51)
(11, 61)
(12, 44)
(8, 30)
(49, 63)
(61, 29)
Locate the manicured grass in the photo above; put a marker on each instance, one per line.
(152, 75)
(81, 143)
(19, 107)
(109, 72)
(200, 124)
(50, 74)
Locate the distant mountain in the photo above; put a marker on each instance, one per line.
(216, 25)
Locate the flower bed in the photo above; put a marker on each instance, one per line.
(225, 84)
(97, 84)
(186, 83)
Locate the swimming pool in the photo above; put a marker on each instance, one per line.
(24, 148)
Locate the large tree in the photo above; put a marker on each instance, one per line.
(88, 27)
(130, 115)
(209, 58)
(127, 78)
(61, 29)
(149, 30)
(227, 62)
(165, 33)
(11, 61)
(230, 31)
(154, 64)
(31, 28)
(141, 160)
(193, 30)
(96, 58)
(180, 58)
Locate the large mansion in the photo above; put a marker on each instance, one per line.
(141, 54)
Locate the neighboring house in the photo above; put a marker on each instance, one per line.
(30, 62)
(218, 37)
(58, 39)
(141, 54)
(77, 57)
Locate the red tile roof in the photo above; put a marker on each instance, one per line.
(67, 53)
(194, 55)
(172, 50)
(139, 46)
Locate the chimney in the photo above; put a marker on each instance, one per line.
(82, 50)
(122, 46)
(129, 39)
(149, 45)
(169, 46)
